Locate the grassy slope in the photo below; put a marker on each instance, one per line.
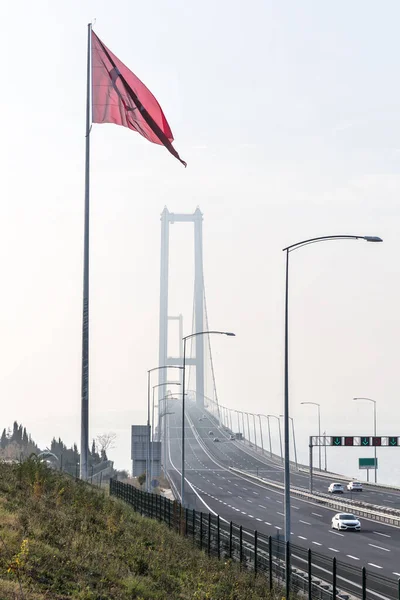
(62, 539)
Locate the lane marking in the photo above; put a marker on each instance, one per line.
(316, 514)
(302, 537)
(376, 566)
(282, 514)
(305, 522)
(379, 547)
(354, 557)
(382, 534)
(336, 533)
(266, 522)
(276, 527)
(279, 501)
(333, 549)
(229, 492)
(394, 573)
(251, 501)
(316, 543)
(296, 507)
(261, 506)
(258, 519)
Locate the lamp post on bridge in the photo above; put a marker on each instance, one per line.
(149, 372)
(152, 422)
(187, 337)
(374, 401)
(319, 431)
(279, 429)
(289, 249)
(261, 434)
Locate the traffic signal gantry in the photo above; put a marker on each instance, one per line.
(358, 441)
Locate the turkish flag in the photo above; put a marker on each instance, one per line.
(120, 97)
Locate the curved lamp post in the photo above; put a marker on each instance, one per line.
(152, 423)
(149, 372)
(188, 337)
(374, 401)
(319, 430)
(280, 435)
(288, 249)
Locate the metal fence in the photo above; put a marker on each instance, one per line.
(313, 574)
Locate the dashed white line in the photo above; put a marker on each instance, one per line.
(256, 493)
(376, 566)
(296, 507)
(382, 534)
(316, 514)
(302, 537)
(279, 502)
(333, 549)
(279, 513)
(276, 527)
(305, 522)
(316, 543)
(336, 533)
(261, 506)
(251, 501)
(258, 519)
(394, 573)
(229, 492)
(353, 557)
(266, 522)
(379, 547)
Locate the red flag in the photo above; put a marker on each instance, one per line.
(120, 97)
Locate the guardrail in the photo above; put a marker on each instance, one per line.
(312, 574)
(384, 516)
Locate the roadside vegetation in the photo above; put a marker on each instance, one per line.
(61, 539)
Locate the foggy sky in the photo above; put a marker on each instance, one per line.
(288, 117)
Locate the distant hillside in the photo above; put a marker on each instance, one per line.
(63, 539)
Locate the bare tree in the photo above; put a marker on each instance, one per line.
(105, 442)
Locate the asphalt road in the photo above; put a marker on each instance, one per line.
(212, 486)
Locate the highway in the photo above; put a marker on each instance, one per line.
(211, 486)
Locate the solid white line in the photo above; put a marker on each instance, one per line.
(382, 534)
(333, 549)
(350, 556)
(377, 566)
(379, 547)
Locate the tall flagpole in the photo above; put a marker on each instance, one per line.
(85, 316)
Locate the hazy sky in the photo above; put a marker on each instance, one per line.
(288, 116)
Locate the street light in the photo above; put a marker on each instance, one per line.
(279, 429)
(152, 422)
(187, 337)
(261, 434)
(294, 439)
(288, 249)
(149, 372)
(374, 401)
(319, 430)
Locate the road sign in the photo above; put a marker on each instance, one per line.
(336, 440)
(355, 440)
(367, 463)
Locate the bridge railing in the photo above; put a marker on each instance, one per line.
(315, 575)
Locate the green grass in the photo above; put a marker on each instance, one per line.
(63, 539)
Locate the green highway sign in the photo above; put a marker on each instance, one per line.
(367, 463)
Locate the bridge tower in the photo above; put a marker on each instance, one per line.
(168, 218)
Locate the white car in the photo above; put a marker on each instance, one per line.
(354, 486)
(345, 522)
(336, 488)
